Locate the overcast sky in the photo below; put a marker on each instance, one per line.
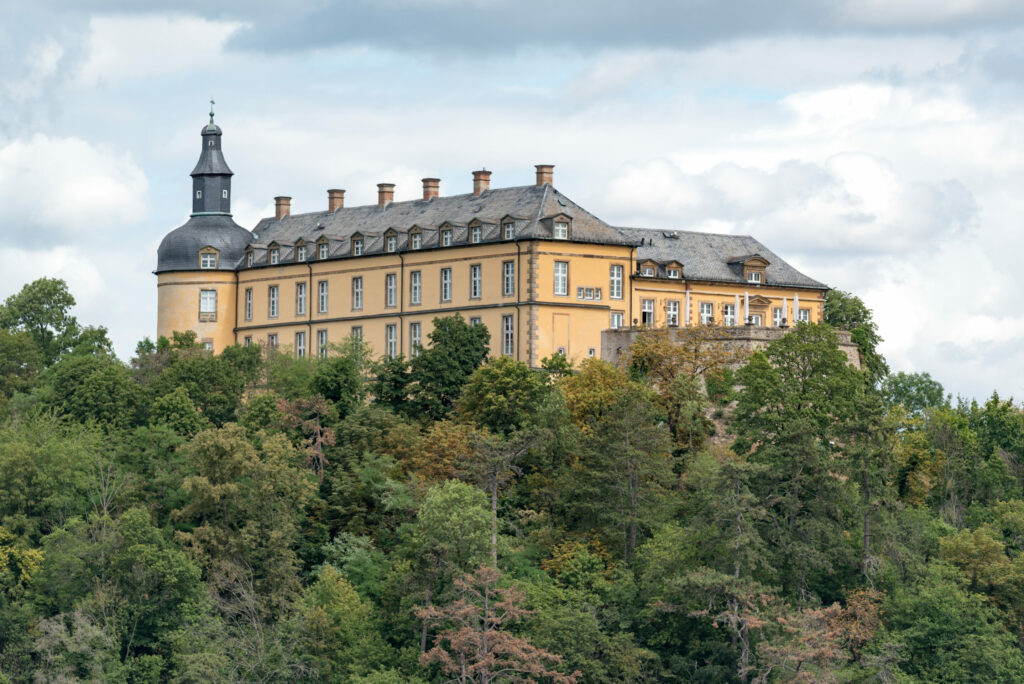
(877, 145)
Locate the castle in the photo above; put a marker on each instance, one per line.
(541, 272)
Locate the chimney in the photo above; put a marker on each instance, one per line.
(431, 188)
(385, 194)
(335, 200)
(282, 207)
(545, 174)
(481, 181)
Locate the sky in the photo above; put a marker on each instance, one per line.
(877, 145)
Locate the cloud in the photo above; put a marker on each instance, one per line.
(56, 191)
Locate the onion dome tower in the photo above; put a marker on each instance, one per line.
(196, 262)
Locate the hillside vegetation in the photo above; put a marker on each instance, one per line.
(459, 517)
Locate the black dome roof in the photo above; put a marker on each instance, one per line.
(179, 250)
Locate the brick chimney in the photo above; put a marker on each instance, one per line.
(431, 188)
(385, 194)
(545, 174)
(481, 181)
(282, 207)
(335, 200)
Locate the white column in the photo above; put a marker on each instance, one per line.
(785, 307)
(746, 307)
(736, 311)
(687, 319)
(796, 307)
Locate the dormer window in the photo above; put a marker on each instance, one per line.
(208, 260)
(647, 271)
(275, 255)
(509, 230)
(391, 243)
(322, 250)
(476, 234)
(561, 230)
(357, 246)
(300, 253)
(249, 259)
(416, 240)
(446, 237)
(755, 277)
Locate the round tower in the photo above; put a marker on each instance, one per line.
(196, 286)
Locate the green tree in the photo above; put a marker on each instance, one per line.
(20, 362)
(213, 384)
(390, 385)
(502, 395)
(914, 391)
(96, 388)
(438, 373)
(847, 312)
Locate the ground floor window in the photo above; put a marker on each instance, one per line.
(508, 336)
(321, 343)
(616, 319)
(672, 313)
(391, 340)
(729, 314)
(415, 336)
(707, 313)
(300, 344)
(647, 312)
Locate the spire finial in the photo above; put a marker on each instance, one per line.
(211, 111)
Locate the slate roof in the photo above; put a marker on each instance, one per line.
(706, 256)
(211, 159)
(532, 208)
(179, 250)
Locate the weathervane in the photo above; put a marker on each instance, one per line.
(211, 111)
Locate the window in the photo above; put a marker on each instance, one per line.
(272, 340)
(592, 352)
(446, 238)
(391, 340)
(248, 259)
(275, 255)
(208, 301)
(754, 277)
(357, 246)
(589, 294)
(474, 281)
(672, 272)
(208, 260)
(300, 253)
(392, 243)
(616, 319)
(804, 315)
(357, 333)
(209, 143)
(300, 345)
(390, 289)
(778, 317)
(647, 312)
(224, 194)
(561, 230)
(729, 314)
(597, 294)
(272, 301)
(357, 293)
(415, 287)
(508, 336)
(615, 283)
(247, 341)
(508, 278)
(322, 250)
(248, 303)
(648, 271)
(510, 230)
(415, 332)
(476, 234)
(707, 313)
(321, 343)
(579, 292)
(755, 319)
(446, 284)
(300, 299)
(561, 277)
(199, 194)
(475, 320)
(672, 313)
(206, 345)
(322, 296)
(416, 240)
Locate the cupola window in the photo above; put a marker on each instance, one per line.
(199, 194)
(208, 260)
(224, 194)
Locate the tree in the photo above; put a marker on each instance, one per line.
(96, 388)
(475, 646)
(20, 361)
(339, 379)
(311, 417)
(42, 309)
(502, 395)
(438, 373)
(213, 384)
(845, 311)
(914, 391)
(662, 354)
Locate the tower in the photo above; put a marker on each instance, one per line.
(196, 284)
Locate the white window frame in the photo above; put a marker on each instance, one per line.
(561, 278)
(707, 312)
(416, 240)
(616, 319)
(272, 340)
(803, 315)
(476, 234)
(561, 230)
(475, 320)
(415, 339)
(508, 335)
(755, 277)
(755, 319)
(778, 313)
(446, 237)
(357, 293)
(510, 230)
(321, 343)
(391, 340)
(323, 296)
(475, 281)
(224, 194)
(446, 284)
(416, 287)
(357, 333)
(272, 301)
(508, 278)
(208, 260)
(300, 253)
(322, 250)
(199, 194)
(672, 312)
(207, 301)
(275, 256)
(249, 258)
(300, 299)
(357, 247)
(390, 290)
(300, 344)
(248, 303)
(647, 271)
(672, 273)
(392, 243)
(729, 314)
(615, 281)
(647, 312)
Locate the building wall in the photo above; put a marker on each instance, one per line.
(178, 306)
(663, 290)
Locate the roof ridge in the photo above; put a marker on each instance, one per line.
(684, 230)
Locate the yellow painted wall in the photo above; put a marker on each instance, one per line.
(178, 305)
(662, 291)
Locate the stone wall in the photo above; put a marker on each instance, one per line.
(749, 338)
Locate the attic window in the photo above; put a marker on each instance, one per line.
(392, 243)
(416, 240)
(476, 234)
(208, 260)
(248, 259)
(446, 238)
(275, 255)
(648, 271)
(357, 246)
(322, 250)
(510, 230)
(300, 253)
(672, 272)
(755, 277)
(561, 230)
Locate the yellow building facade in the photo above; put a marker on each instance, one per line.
(542, 273)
